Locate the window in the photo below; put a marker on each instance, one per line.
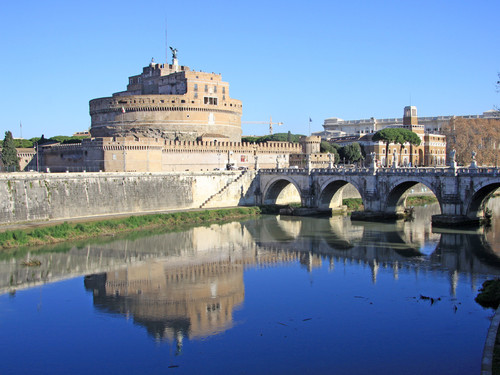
(195, 87)
(215, 88)
(223, 89)
(206, 88)
(209, 100)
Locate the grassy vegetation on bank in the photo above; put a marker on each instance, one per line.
(353, 204)
(420, 200)
(77, 231)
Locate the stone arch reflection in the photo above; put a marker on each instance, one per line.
(292, 232)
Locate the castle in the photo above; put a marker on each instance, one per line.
(170, 118)
(172, 102)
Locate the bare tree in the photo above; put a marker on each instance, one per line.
(479, 135)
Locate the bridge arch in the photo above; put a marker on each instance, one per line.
(282, 190)
(331, 192)
(398, 192)
(476, 205)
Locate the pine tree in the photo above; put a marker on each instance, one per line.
(9, 153)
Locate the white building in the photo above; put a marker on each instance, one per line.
(336, 127)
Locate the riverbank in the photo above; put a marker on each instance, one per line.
(67, 231)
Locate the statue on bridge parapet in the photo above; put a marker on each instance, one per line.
(453, 161)
(473, 163)
(308, 162)
(373, 161)
(278, 162)
(395, 159)
(453, 155)
(331, 159)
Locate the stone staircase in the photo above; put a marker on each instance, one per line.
(223, 189)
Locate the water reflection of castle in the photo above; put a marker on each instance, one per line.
(188, 297)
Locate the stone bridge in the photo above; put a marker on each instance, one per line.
(462, 193)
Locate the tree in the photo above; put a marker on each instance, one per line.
(279, 137)
(352, 152)
(400, 136)
(9, 153)
(387, 135)
(407, 136)
(479, 135)
(327, 147)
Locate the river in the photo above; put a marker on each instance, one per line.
(273, 295)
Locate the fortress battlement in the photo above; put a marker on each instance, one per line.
(166, 146)
(227, 146)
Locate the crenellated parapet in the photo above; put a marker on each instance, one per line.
(228, 146)
(144, 154)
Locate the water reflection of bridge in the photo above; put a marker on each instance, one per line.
(387, 245)
(369, 243)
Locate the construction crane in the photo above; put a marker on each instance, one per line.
(271, 123)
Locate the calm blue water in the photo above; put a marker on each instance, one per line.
(270, 296)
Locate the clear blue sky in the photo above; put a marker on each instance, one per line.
(292, 60)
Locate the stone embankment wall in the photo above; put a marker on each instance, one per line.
(31, 197)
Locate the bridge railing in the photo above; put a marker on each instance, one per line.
(348, 170)
(282, 170)
(415, 171)
(399, 171)
(487, 171)
(334, 170)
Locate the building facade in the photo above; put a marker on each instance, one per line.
(335, 127)
(27, 159)
(430, 152)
